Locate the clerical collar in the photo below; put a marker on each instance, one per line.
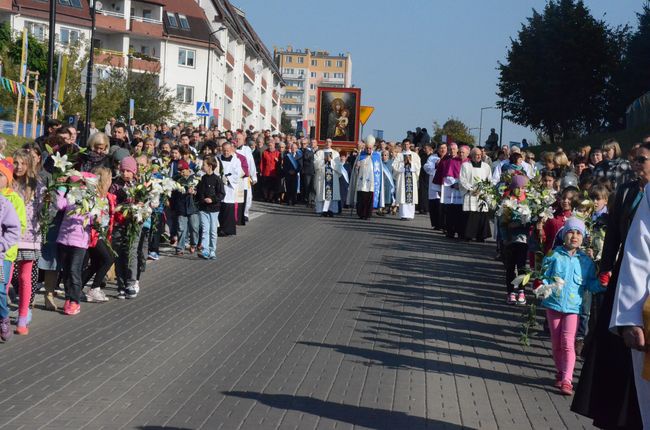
(476, 164)
(224, 158)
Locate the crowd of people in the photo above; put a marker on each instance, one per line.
(560, 223)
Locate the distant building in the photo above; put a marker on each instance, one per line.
(306, 70)
(170, 39)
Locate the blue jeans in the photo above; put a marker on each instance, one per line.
(6, 272)
(209, 225)
(185, 223)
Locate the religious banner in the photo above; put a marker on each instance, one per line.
(337, 116)
(23, 57)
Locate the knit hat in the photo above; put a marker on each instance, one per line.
(574, 224)
(119, 154)
(7, 169)
(182, 165)
(129, 164)
(518, 181)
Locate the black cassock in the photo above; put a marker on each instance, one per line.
(227, 220)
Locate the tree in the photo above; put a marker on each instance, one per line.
(285, 124)
(454, 129)
(153, 103)
(556, 75)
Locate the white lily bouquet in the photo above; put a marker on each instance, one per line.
(487, 194)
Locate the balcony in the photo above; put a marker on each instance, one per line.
(291, 101)
(109, 58)
(146, 26)
(292, 88)
(248, 72)
(228, 91)
(339, 81)
(145, 64)
(263, 84)
(275, 96)
(274, 122)
(109, 20)
(293, 76)
(230, 59)
(226, 124)
(263, 110)
(248, 103)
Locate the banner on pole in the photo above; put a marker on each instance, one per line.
(61, 77)
(23, 57)
(131, 109)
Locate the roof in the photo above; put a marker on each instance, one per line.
(234, 18)
(64, 14)
(199, 30)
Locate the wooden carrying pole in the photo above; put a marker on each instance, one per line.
(35, 107)
(17, 113)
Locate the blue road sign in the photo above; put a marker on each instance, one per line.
(203, 109)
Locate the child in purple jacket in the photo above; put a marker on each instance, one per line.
(9, 236)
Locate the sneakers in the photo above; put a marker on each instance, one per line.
(558, 381)
(511, 299)
(66, 306)
(132, 291)
(22, 326)
(521, 298)
(153, 256)
(96, 295)
(121, 294)
(566, 388)
(213, 256)
(73, 308)
(5, 329)
(204, 255)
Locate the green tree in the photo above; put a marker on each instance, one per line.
(455, 129)
(74, 100)
(153, 103)
(111, 96)
(558, 69)
(285, 124)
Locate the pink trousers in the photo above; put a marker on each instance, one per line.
(25, 286)
(563, 337)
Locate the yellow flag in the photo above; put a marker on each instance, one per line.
(365, 113)
(63, 74)
(23, 57)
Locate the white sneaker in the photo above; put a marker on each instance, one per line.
(96, 295)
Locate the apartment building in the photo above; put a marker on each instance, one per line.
(306, 70)
(220, 58)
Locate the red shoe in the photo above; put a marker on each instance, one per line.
(566, 389)
(73, 309)
(22, 330)
(66, 307)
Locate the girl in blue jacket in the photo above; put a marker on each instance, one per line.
(567, 271)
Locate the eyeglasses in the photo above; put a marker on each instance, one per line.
(641, 159)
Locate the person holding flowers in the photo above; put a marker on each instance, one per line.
(184, 207)
(31, 190)
(566, 273)
(475, 212)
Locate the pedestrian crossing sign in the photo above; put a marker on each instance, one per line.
(202, 109)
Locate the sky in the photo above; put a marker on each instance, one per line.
(417, 61)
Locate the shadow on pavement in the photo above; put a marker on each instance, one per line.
(356, 415)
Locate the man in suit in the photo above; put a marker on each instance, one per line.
(132, 128)
(307, 172)
(290, 170)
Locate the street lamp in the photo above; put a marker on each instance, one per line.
(96, 5)
(480, 127)
(207, 77)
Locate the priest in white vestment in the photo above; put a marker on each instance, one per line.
(231, 175)
(328, 169)
(631, 309)
(406, 173)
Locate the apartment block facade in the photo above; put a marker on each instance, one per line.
(197, 48)
(306, 70)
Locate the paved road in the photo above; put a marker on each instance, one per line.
(302, 323)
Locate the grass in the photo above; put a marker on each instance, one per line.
(14, 142)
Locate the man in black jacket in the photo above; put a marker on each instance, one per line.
(290, 170)
(307, 172)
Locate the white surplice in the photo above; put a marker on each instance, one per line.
(231, 176)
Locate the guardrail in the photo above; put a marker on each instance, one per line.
(147, 20)
(111, 13)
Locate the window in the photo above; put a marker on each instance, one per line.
(36, 29)
(289, 59)
(312, 99)
(184, 94)
(71, 3)
(326, 75)
(338, 75)
(312, 74)
(186, 57)
(314, 62)
(289, 71)
(328, 63)
(301, 72)
(69, 36)
(172, 20)
(312, 86)
(312, 110)
(146, 13)
(301, 60)
(339, 63)
(185, 24)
